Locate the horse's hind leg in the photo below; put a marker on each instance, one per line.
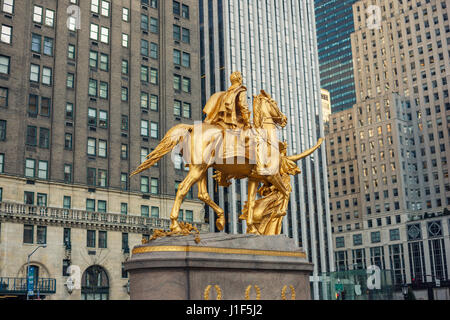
(195, 173)
(203, 195)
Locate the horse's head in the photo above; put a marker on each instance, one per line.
(266, 111)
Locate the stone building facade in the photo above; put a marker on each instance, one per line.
(401, 141)
(87, 90)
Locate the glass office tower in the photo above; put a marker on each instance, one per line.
(334, 24)
(273, 44)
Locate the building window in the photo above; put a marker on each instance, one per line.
(102, 239)
(144, 153)
(47, 76)
(6, 34)
(2, 130)
(154, 25)
(125, 241)
(124, 152)
(124, 40)
(144, 211)
(375, 237)
(124, 181)
(186, 110)
(155, 212)
(177, 82)
(92, 87)
(28, 197)
(124, 95)
(176, 32)
(144, 47)
(41, 199)
(153, 76)
(49, 18)
(4, 65)
(104, 37)
(144, 128)
(44, 138)
(28, 232)
(144, 73)
(41, 234)
(186, 62)
(68, 141)
(186, 85)
(394, 234)
(30, 168)
(43, 170)
(124, 208)
(102, 179)
(67, 173)
(177, 108)
(103, 119)
(37, 14)
(105, 8)
(91, 176)
(102, 148)
(144, 22)
(4, 93)
(93, 59)
(176, 57)
(90, 205)
(31, 136)
(70, 80)
(144, 184)
(185, 11)
(153, 50)
(92, 147)
(176, 8)
(340, 242)
(71, 52)
(8, 6)
(90, 241)
(48, 46)
(154, 130)
(357, 239)
(185, 36)
(189, 216)
(2, 163)
(153, 102)
(104, 62)
(103, 90)
(125, 14)
(34, 73)
(154, 186)
(124, 66)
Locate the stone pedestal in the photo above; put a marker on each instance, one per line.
(221, 266)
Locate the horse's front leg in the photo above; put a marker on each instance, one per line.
(252, 186)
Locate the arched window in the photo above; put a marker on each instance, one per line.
(95, 284)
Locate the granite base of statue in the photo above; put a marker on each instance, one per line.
(219, 267)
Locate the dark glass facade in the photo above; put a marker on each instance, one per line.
(334, 24)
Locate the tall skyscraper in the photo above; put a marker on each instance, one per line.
(334, 24)
(401, 141)
(273, 44)
(86, 92)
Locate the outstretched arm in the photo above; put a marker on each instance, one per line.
(307, 152)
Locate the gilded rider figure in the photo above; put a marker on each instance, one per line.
(229, 109)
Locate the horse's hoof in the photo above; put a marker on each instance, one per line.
(220, 223)
(175, 227)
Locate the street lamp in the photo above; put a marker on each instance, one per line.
(28, 265)
(405, 291)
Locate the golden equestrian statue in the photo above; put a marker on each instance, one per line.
(236, 149)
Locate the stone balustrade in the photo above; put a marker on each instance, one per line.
(101, 220)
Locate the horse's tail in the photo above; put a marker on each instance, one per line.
(174, 136)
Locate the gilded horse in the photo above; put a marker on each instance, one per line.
(231, 153)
